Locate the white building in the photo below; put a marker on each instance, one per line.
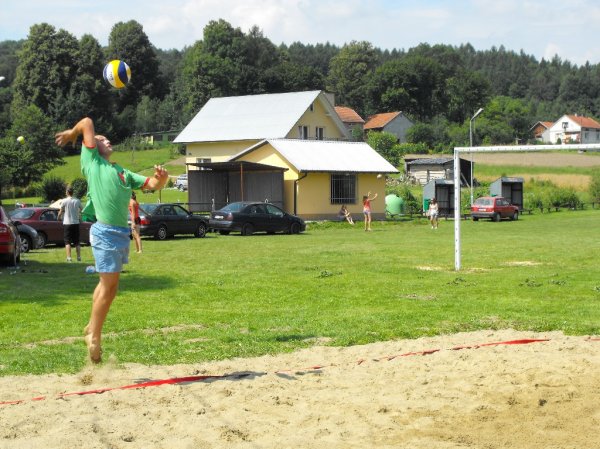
(575, 129)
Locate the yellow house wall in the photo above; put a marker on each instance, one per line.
(313, 199)
(314, 118)
(216, 151)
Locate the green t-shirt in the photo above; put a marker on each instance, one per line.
(109, 188)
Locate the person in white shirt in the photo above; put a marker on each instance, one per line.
(434, 211)
(70, 213)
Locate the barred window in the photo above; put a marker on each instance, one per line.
(343, 189)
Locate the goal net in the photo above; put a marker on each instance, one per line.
(497, 149)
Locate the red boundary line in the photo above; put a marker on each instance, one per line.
(180, 380)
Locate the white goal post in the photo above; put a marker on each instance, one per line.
(497, 149)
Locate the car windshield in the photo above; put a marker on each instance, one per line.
(234, 207)
(21, 214)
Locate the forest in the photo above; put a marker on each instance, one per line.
(52, 79)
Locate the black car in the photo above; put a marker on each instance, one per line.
(249, 217)
(29, 237)
(167, 220)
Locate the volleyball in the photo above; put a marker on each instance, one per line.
(117, 73)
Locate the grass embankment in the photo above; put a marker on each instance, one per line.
(190, 300)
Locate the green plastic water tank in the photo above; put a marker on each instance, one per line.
(394, 205)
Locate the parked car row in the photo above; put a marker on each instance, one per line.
(166, 220)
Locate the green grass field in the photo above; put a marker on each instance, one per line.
(189, 300)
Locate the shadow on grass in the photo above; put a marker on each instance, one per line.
(52, 284)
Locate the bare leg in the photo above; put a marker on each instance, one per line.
(138, 242)
(104, 294)
(68, 249)
(78, 250)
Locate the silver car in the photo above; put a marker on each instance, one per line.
(181, 182)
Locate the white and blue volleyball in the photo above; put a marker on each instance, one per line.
(117, 73)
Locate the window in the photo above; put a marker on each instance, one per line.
(343, 189)
(273, 210)
(303, 132)
(319, 133)
(312, 107)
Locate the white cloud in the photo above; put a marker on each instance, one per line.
(539, 27)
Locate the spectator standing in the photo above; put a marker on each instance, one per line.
(70, 214)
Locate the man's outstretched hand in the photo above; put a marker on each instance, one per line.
(160, 178)
(64, 137)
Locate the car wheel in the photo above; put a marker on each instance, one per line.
(201, 230)
(496, 217)
(223, 232)
(475, 218)
(248, 229)
(294, 228)
(42, 239)
(161, 234)
(26, 243)
(515, 216)
(180, 188)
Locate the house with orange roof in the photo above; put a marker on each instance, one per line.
(350, 118)
(575, 129)
(540, 132)
(395, 123)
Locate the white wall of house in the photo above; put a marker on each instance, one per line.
(568, 131)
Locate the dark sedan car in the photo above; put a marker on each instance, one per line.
(494, 208)
(250, 217)
(165, 220)
(29, 237)
(10, 244)
(49, 228)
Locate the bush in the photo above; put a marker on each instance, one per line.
(594, 189)
(79, 186)
(53, 188)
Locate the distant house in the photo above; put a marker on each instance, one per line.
(574, 129)
(227, 125)
(160, 136)
(350, 118)
(540, 131)
(395, 123)
(320, 176)
(422, 169)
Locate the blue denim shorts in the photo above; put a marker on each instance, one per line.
(110, 245)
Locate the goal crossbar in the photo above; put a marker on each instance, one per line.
(497, 149)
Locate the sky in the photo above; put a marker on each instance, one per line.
(541, 28)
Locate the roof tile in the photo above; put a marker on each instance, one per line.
(380, 120)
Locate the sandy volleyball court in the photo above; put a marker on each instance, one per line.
(545, 394)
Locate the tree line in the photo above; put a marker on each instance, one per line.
(52, 79)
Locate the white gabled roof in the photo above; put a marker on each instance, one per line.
(327, 156)
(250, 117)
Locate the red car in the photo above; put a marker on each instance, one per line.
(493, 207)
(10, 242)
(45, 221)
